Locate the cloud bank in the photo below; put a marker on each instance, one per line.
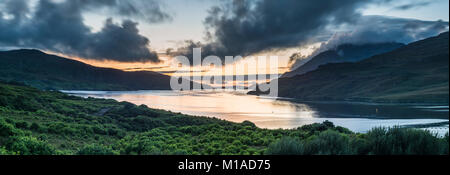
(377, 29)
(245, 27)
(58, 26)
(414, 4)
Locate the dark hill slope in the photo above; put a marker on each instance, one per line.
(344, 53)
(35, 68)
(417, 72)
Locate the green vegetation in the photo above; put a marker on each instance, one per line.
(416, 73)
(34, 122)
(378, 141)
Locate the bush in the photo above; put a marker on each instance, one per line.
(248, 123)
(7, 129)
(328, 143)
(144, 123)
(286, 146)
(26, 104)
(318, 127)
(360, 146)
(3, 151)
(180, 152)
(401, 141)
(96, 150)
(445, 144)
(35, 126)
(29, 146)
(4, 101)
(23, 125)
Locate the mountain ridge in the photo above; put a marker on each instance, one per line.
(344, 53)
(44, 71)
(417, 72)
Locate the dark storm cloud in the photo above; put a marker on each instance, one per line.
(148, 10)
(59, 27)
(244, 27)
(379, 29)
(17, 8)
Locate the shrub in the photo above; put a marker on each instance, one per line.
(396, 141)
(26, 104)
(35, 126)
(99, 130)
(4, 101)
(360, 146)
(180, 152)
(29, 146)
(286, 146)
(23, 125)
(96, 150)
(248, 123)
(144, 123)
(4, 151)
(445, 144)
(7, 129)
(318, 127)
(329, 142)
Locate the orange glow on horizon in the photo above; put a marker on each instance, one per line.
(164, 67)
(125, 66)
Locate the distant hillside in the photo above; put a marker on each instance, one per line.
(344, 53)
(417, 72)
(43, 71)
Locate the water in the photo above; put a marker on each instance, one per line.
(274, 113)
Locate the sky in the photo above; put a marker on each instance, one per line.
(187, 23)
(436, 10)
(136, 34)
(189, 16)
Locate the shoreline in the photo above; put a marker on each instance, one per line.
(279, 98)
(331, 117)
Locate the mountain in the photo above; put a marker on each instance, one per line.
(414, 73)
(43, 71)
(344, 53)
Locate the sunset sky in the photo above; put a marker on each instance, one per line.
(135, 35)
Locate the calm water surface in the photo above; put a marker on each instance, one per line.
(275, 113)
